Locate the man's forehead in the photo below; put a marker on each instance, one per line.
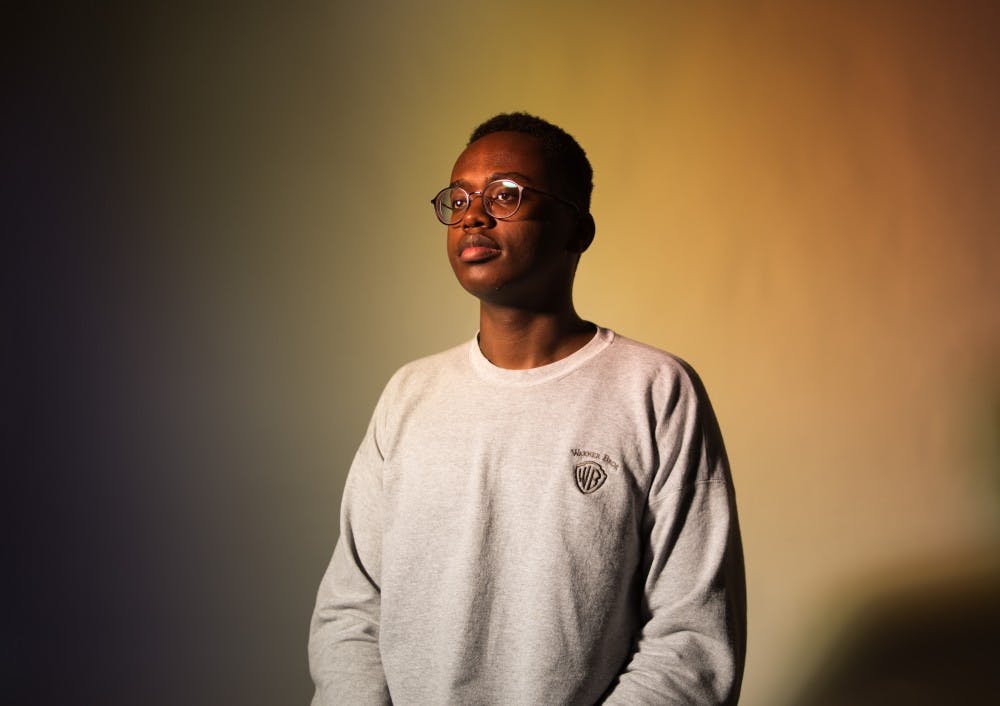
(520, 177)
(503, 153)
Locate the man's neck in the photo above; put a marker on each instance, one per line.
(517, 339)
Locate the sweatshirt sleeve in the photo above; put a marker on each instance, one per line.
(692, 641)
(344, 634)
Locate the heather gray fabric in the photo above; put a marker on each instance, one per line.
(560, 535)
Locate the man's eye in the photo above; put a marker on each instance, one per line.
(505, 196)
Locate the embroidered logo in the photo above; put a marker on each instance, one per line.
(589, 476)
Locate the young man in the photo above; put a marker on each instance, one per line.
(543, 515)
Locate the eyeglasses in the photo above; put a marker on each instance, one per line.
(501, 199)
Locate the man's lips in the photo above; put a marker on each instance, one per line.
(475, 247)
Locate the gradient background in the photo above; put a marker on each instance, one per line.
(220, 248)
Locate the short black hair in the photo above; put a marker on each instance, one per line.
(559, 146)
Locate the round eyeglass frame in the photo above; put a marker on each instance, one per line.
(460, 213)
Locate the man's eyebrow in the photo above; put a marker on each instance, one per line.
(495, 176)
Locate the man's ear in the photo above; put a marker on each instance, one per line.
(584, 234)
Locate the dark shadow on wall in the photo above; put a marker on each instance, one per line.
(930, 645)
(933, 638)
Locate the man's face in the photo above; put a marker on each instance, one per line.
(527, 260)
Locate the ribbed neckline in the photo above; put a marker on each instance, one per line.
(535, 376)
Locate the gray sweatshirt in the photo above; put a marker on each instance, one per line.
(560, 535)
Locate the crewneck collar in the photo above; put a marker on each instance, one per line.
(534, 376)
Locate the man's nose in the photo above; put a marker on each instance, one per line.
(476, 214)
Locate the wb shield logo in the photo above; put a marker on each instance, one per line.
(589, 476)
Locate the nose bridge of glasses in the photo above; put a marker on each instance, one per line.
(484, 203)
